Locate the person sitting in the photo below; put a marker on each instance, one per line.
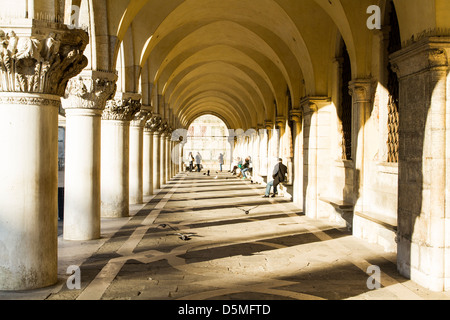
(278, 175)
(238, 165)
(245, 168)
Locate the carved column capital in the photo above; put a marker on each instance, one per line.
(313, 104)
(268, 124)
(41, 59)
(296, 115)
(153, 123)
(123, 109)
(431, 53)
(90, 90)
(140, 118)
(162, 129)
(280, 121)
(361, 90)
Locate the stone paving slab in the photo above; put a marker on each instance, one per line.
(272, 252)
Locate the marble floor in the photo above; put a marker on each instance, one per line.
(193, 240)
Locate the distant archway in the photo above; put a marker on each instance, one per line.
(208, 137)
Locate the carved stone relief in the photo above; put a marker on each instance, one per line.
(41, 63)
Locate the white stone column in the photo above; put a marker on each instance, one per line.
(315, 131)
(263, 150)
(150, 160)
(115, 184)
(84, 103)
(147, 169)
(137, 157)
(162, 154)
(167, 157)
(272, 149)
(256, 155)
(162, 159)
(296, 117)
(361, 91)
(29, 109)
(156, 161)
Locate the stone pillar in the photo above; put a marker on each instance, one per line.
(162, 157)
(316, 127)
(296, 117)
(156, 161)
(285, 146)
(256, 155)
(162, 153)
(167, 157)
(84, 102)
(147, 174)
(274, 140)
(36, 63)
(423, 232)
(137, 157)
(150, 160)
(361, 91)
(263, 150)
(116, 155)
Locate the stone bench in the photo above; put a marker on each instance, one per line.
(376, 228)
(285, 190)
(342, 208)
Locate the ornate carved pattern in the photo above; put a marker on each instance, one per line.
(163, 127)
(38, 101)
(153, 124)
(88, 93)
(121, 109)
(393, 131)
(141, 118)
(41, 64)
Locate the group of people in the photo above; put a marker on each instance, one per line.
(197, 160)
(245, 167)
(279, 174)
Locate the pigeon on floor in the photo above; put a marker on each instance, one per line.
(247, 211)
(184, 237)
(181, 236)
(165, 225)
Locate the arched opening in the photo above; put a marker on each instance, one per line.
(207, 141)
(394, 44)
(345, 107)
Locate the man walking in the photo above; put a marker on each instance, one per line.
(198, 159)
(278, 175)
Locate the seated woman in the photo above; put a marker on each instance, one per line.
(237, 165)
(245, 168)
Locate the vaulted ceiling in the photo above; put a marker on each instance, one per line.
(242, 60)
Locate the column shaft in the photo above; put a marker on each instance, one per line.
(148, 163)
(136, 164)
(84, 102)
(156, 161)
(36, 66)
(82, 175)
(115, 168)
(28, 192)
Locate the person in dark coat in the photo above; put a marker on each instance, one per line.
(279, 176)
